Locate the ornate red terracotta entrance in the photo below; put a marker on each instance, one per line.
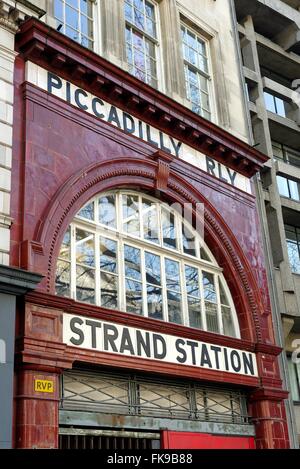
(62, 157)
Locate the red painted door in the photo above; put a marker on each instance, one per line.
(187, 440)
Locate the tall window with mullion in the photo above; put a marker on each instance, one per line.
(76, 18)
(196, 71)
(141, 40)
(292, 234)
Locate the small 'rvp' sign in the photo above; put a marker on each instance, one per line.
(43, 385)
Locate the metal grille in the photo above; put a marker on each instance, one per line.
(105, 439)
(137, 395)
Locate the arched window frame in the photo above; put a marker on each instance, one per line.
(121, 237)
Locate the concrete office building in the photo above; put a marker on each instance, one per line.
(147, 327)
(269, 34)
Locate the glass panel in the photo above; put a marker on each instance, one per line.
(58, 10)
(154, 302)
(86, 7)
(128, 11)
(204, 255)
(152, 263)
(108, 255)
(283, 186)
(227, 321)
(132, 257)
(72, 17)
(280, 107)
(194, 308)
(209, 287)
(107, 210)
(211, 317)
(294, 384)
(294, 189)
(109, 290)
(168, 229)
(62, 280)
(150, 221)
(131, 221)
(223, 296)
(72, 34)
(87, 212)
(192, 281)
(172, 275)
(85, 250)
(269, 102)
(65, 246)
(134, 297)
(85, 284)
(294, 257)
(174, 307)
(188, 241)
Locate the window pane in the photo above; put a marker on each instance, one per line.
(134, 297)
(108, 255)
(294, 190)
(192, 281)
(280, 109)
(132, 257)
(72, 17)
(227, 321)
(174, 307)
(209, 287)
(188, 241)
(283, 186)
(294, 257)
(154, 302)
(128, 12)
(58, 10)
(211, 317)
(168, 229)
(150, 221)
(85, 284)
(269, 102)
(62, 280)
(87, 212)
(152, 262)
(172, 275)
(109, 291)
(294, 383)
(223, 296)
(65, 246)
(194, 307)
(85, 250)
(107, 210)
(131, 221)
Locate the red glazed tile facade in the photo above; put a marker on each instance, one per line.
(62, 157)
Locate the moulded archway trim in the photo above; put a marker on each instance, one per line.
(135, 173)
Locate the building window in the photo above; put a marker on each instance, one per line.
(142, 40)
(275, 104)
(288, 188)
(292, 234)
(76, 18)
(196, 69)
(129, 252)
(286, 154)
(294, 375)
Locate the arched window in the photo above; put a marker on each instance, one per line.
(128, 251)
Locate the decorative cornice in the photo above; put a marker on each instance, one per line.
(52, 50)
(17, 281)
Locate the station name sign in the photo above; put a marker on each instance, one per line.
(129, 124)
(102, 336)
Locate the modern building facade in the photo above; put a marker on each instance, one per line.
(131, 205)
(271, 68)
